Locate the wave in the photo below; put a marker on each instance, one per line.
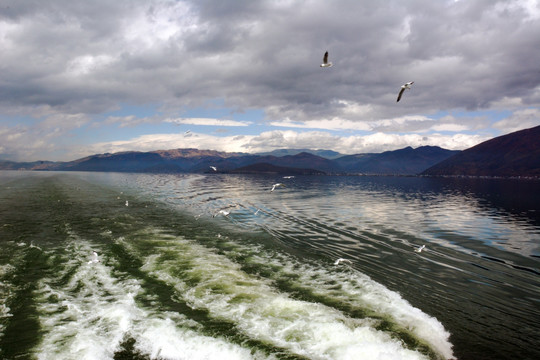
(91, 311)
(316, 327)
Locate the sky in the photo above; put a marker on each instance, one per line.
(86, 77)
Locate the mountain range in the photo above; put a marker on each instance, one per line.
(407, 161)
(515, 154)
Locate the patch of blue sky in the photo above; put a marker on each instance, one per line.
(16, 120)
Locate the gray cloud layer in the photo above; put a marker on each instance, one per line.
(81, 58)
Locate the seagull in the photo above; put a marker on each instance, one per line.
(224, 209)
(340, 260)
(276, 186)
(187, 132)
(127, 203)
(288, 177)
(225, 213)
(419, 250)
(403, 87)
(213, 168)
(325, 61)
(95, 258)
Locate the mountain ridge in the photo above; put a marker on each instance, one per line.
(407, 161)
(510, 155)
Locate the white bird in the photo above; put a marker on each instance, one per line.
(223, 212)
(127, 203)
(340, 260)
(213, 168)
(419, 250)
(403, 88)
(325, 61)
(95, 258)
(288, 177)
(276, 186)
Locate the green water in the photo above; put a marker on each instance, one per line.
(175, 282)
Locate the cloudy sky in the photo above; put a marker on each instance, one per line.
(85, 77)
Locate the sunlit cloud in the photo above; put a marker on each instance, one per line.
(207, 122)
(519, 120)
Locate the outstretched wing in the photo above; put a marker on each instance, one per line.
(400, 93)
(325, 58)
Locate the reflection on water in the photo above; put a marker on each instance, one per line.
(260, 282)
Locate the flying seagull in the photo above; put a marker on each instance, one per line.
(403, 87)
(223, 212)
(288, 177)
(276, 186)
(95, 258)
(226, 209)
(419, 250)
(340, 260)
(325, 61)
(213, 168)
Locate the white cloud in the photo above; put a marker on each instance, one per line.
(355, 144)
(130, 120)
(449, 127)
(208, 122)
(519, 120)
(332, 124)
(86, 64)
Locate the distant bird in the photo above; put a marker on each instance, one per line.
(222, 212)
(187, 132)
(95, 258)
(127, 203)
(288, 177)
(341, 260)
(325, 61)
(403, 88)
(276, 186)
(419, 250)
(213, 168)
(256, 212)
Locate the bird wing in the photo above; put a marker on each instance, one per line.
(325, 58)
(400, 93)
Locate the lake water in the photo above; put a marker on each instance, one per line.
(177, 279)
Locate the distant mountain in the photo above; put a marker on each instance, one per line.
(34, 165)
(160, 161)
(406, 161)
(328, 154)
(514, 154)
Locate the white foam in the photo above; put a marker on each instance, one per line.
(356, 290)
(361, 292)
(212, 282)
(91, 315)
(5, 294)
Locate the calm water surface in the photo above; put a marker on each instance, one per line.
(177, 279)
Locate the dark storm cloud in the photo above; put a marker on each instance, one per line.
(79, 56)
